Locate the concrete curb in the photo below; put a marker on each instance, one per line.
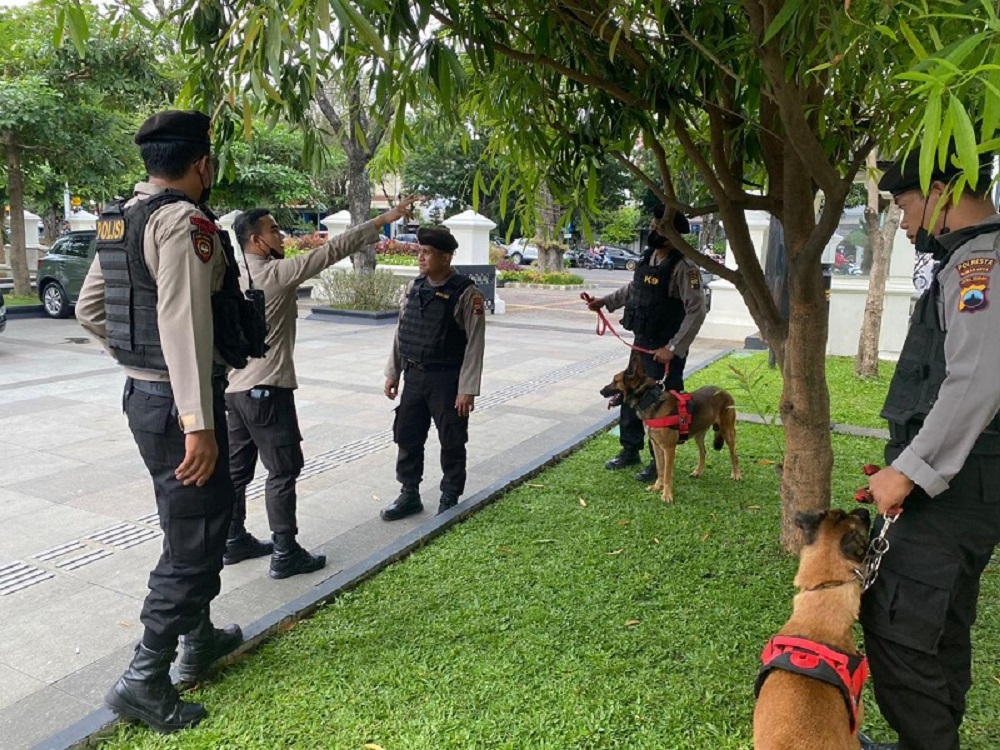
(99, 724)
(835, 427)
(559, 287)
(26, 311)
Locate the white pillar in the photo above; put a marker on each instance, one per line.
(336, 224)
(31, 243)
(226, 222)
(899, 296)
(729, 317)
(82, 220)
(472, 231)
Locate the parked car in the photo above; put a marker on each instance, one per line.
(522, 251)
(62, 271)
(3, 313)
(622, 258)
(410, 238)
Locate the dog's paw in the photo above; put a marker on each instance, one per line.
(668, 497)
(696, 474)
(735, 475)
(654, 487)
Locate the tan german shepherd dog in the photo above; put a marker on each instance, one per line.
(708, 407)
(796, 711)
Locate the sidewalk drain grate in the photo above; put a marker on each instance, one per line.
(16, 576)
(78, 562)
(62, 549)
(124, 535)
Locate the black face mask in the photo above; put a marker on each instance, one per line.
(206, 192)
(925, 242)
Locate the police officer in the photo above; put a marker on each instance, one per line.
(665, 308)
(261, 398)
(163, 297)
(943, 458)
(439, 346)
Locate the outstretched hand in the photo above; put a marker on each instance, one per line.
(402, 210)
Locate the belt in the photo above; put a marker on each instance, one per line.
(163, 388)
(429, 366)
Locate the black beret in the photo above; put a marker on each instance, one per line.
(681, 223)
(175, 125)
(903, 175)
(437, 237)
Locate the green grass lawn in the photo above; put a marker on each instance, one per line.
(852, 400)
(17, 300)
(577, 612)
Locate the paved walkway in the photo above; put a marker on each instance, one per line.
(79, 530)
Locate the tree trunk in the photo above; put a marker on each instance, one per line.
(359, 201)
(549, 247)
(880, 241)
(15, 189)
(52, 223)
(805, 403)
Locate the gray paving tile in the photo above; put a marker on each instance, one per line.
(37, 716)
(52, 525)
(15, 685)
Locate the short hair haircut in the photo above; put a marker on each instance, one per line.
(247, 224)
(170, 160)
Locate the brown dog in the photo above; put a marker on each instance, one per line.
(708, 407)
(805, 701)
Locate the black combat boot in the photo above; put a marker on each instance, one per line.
(867, 743)
(407, 504)
(203, 646)
(244, 546)
(290, 558)
(626, 457)
(647, 475)
(448, 500)
(145, 693)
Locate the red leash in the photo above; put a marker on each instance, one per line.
(604, 325)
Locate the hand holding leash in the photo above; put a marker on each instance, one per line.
(604, 325)
(880, 544)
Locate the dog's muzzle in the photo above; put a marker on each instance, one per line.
(613, 395)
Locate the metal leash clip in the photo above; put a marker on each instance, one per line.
(880, 544)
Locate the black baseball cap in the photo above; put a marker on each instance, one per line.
(903, 175)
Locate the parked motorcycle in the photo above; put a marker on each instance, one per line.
(601, 261)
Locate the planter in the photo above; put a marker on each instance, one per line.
(355, 317)
(26, 311)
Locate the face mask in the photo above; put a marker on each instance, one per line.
(272, 252)
(925, 242)
(206, 191)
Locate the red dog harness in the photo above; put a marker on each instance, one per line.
(847, 672)
(681, 421)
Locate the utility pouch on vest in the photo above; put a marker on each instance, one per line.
(255, 323)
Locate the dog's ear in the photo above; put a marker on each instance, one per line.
(863, 515)
(808, 522)
(854, 545)
(638, 368)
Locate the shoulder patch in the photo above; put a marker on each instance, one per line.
(478, 304)
(694, 279)
(974, 282)
(203, 240)
(204, 225)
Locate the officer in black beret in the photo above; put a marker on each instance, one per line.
(163, 297)
(665, 308)
(439, 346)
(942, 456)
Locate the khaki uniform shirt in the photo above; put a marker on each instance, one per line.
(279, 280)
(685, 285)
(185, 281)
(970, 394)
(471, 316)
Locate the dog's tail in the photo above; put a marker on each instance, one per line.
(727, 413)
(719, 441)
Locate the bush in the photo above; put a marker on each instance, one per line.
(497, 255)
(395, 247)
(372, 290)
(299, 245)
(395, 260)
(532, 276)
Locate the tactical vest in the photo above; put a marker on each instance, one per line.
(428, 332)
(131, 295)
(921, 368)
(651, 312)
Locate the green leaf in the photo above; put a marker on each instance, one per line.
(917, 47)
(965, 141)
(614, 43)
(991, 105)
(928, 145)
(886, 31)
(783, 17)
(323, 13)
(79, 31)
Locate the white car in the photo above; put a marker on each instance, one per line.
(522, 251)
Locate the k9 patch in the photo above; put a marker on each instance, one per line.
(974, 283)
(694, 279)
(478, 305)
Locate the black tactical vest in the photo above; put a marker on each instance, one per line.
(651, 312)
(921, 369)
(428, 332)
(131, 295)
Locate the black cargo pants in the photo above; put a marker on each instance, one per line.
(631, 431)
(430, 394)
(918, 615)
(263, 421)
(194, 519)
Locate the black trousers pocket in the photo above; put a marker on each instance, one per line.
(909, 602)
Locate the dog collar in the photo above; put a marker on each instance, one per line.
(681, 421)
(846, 672)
